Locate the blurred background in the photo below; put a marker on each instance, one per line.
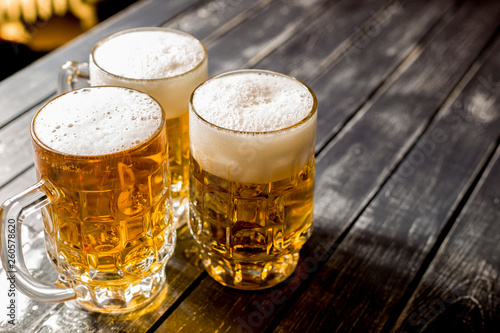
(30, 29)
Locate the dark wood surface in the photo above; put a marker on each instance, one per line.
(407, 199)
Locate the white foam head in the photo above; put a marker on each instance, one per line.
(98, 121)
(149, 54)
(265, 126)
(253, 102)
(165, 63)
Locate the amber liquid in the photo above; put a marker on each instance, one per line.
(178, 143)
(111, 228)
(250, 233)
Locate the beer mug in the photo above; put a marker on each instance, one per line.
(164, 63)
(252, 135)
(102, 166)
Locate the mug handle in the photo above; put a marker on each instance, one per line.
(12, 214)
(71, 74)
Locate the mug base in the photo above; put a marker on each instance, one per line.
(119, 299)
(250, 275)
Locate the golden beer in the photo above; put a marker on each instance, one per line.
(110, 228)
(251, 175)
(168, 65)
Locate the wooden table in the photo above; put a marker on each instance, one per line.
(407, 199)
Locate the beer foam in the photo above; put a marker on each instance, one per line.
(149, 54)
(253, 102)
(98, 121)
(265, 132)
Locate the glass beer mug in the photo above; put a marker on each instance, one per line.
(102, 164)
(252, 135)
(164, 63)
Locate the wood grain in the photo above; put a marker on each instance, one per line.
(370, 146)
(369, 272)
(259, 34)
(460, 290)
(362, 71)
(212, 19)
(362, 52)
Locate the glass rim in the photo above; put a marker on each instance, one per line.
(129, 150)
(299, 123)
(132, 30)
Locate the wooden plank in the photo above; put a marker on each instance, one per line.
(302, 55)
(38, 80)
(379, 258)
(365, 146)
(16, 150)
(211, 19)
(349, 84)
(460, 290)
(262, 32)
(23, 181)
(372, 53)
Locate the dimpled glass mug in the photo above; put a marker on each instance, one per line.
(164, 63)
(102, 163)
(252, 136)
